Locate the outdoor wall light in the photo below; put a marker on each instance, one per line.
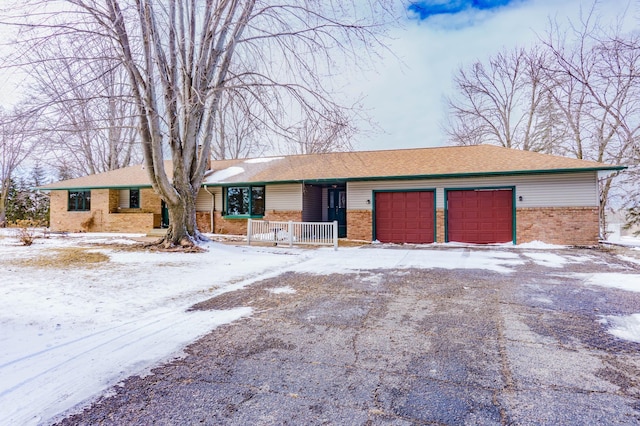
(520, 198)
(368, 201)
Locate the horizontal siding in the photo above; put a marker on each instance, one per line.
(123, 199)
(561, 190)
(284, 197)
(203, 200)
(278, 197)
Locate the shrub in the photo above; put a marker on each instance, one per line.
(88, 224)
(26, 231)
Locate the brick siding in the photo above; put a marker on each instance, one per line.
(283, 215)
(203, 221)
(439, 226)
(359, 225)
(238, 226)
(224, 225)
(561, 225)
(105, 216)
(150, 201)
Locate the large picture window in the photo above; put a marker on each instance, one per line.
(79, 201)
(245, 201)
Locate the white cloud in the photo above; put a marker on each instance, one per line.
(405, 96)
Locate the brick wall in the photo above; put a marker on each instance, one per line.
(223, 225)
(359, 225)
(114, 200)
(560, 225)
(128, 222)
(61, 219)
(203, 220)
(238, 226)
(439, 225)
(104, 215)
(150, 201)
(283, 215)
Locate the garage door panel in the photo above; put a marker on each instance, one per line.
(480, 216)
(405, 217)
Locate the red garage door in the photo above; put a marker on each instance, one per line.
(404, 217)
(480, 216)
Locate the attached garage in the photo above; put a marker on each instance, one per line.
(480, 216)
(404, 216)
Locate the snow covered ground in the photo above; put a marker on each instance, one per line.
(68, 333)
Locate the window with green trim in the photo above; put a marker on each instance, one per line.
(79, 201)
(134, 198)
(245, 201)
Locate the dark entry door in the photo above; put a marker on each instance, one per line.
(165, 216)
(338, 209)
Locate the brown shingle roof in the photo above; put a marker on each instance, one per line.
(359, 165)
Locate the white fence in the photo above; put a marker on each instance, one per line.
(312, 233)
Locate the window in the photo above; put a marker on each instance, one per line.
(134, 198)
(79, 201)
(245, 201)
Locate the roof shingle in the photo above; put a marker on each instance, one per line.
(358, 165)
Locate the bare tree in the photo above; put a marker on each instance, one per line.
(16, 144)
(88, 115)
(181, 56)
(598, 91)
(240, 130)
(501, 102)
(577, 93)
(315, 135)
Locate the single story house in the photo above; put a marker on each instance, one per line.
(476, 194)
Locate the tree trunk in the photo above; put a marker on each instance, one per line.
(4, 194)
(183, 230)
(3, 213)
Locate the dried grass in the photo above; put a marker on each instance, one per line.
(64, 258)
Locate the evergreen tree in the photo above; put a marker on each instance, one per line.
(24, 202)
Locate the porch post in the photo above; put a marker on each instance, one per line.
(290, 233)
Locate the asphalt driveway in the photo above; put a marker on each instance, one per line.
(402, 347)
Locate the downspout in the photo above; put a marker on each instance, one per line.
(213, 206)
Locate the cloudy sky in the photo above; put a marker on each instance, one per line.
(406, 97)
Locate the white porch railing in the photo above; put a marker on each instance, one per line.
(312, 233)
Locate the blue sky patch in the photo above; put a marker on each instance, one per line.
(427, 8)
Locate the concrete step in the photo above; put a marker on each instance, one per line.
(157, 232)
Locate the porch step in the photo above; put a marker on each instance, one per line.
(157, 232)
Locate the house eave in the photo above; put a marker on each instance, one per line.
(328, 181)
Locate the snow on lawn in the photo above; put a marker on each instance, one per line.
(67, 334)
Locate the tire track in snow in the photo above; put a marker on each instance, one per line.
(68, 374)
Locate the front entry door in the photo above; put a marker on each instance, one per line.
(338, 209)
(164, 223)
